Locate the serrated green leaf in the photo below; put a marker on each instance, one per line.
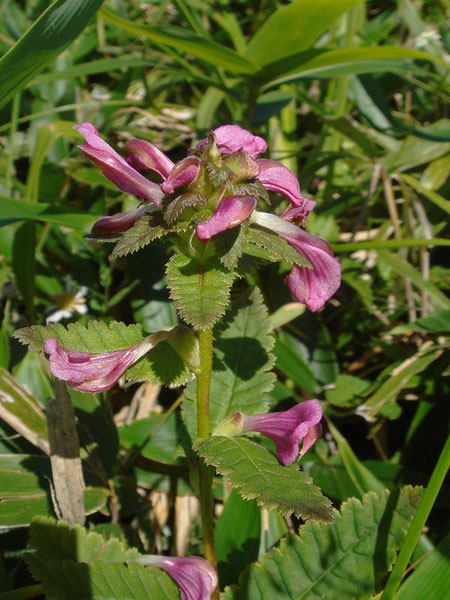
(178, 205)
(199, 291)
(241, 378)
(76, 564)
(275, 247)
(161, 365)
(56, 540)
(257, 474)
(138, 236)
(341, 560)
(230, 245)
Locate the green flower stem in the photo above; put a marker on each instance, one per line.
(420, 518)
(205, 338)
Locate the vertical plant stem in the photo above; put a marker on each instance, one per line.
(205, 338)
(9, 173)
(420, 518)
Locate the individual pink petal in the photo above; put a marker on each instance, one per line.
(144, 156)
(315, 286)
(195, 577)
(115, 168)
(277, 178)
(92, 373)
(183, 173)
(231, 211)
(121, 221)
(231, 138)
(288, 428)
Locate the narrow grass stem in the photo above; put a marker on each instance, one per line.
(420, 518)
(205, 473)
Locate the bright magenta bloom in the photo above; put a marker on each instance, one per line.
(92, 373)
(232, 211)
(315, 286)
(194, 575)
(231, 154)
(286, 429)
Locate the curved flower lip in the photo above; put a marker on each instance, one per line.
(93, 373)
(231, 211)
(121, 221)
(194, 576)
(231, 138)
(115, 168)
(288, 428)
(182, 174)
(144, 156)
(315, 286)
(275, 177)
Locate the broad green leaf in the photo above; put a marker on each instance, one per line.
(286, 313)
(159, 446)
(12, 210)
(185, 40)
(347, 391)
(335, 561)
(25, 490)
(55, 29)
(414, 150)
(276, 248)
(161, 365)
(241, 378)
(141, 234)
(295, 26)
(56, 540)
(360, 475)
(291, 362)
(76, 564)
(22, 411)
(237, 537)
(437, 322)
(103, 581)
(397, 379)
(424, 191)
(405, 269)
(199, 291)
(257, 474)
(341, 61)
(430, 579)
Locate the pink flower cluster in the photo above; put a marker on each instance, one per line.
(239, 151)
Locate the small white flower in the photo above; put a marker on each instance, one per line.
(68, 303)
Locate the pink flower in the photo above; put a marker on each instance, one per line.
(315, 286)
(195, 577)
(232, 211)
(92, 373)
(231, 138)
(121, 221)
(115, 167)
(286, 429)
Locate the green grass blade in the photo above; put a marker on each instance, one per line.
(55, 29)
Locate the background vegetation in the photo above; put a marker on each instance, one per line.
(353, 97)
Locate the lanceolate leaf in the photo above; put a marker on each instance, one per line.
(257, 474)
(187, 41)
(160, 365)
(241, 378)
(294, 26)
(200, 291)
(348, 559)
(61, 23)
